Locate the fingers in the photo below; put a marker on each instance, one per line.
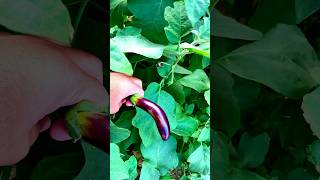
(122, 86)
(87, 62)
(41, 126)
(58, 131)
(87, 88)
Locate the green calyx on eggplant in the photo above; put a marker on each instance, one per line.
(156, 112)
(86, 120)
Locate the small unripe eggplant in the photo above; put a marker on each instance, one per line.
(156, 112)
(87, 121)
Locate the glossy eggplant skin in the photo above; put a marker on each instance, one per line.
(95, 128)
(156, 112)
(86, 120)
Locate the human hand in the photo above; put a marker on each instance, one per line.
(38, 77)
(122, 86)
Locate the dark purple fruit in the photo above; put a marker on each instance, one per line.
(156, 112)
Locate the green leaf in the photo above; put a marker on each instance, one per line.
(118, 61)
(198, 81)
(285, 52)
(305, 8)
(204, 29)
(125, 119)
(49, 19)
(118, 168)
(181, 70)
(178, 21)
(95, 165)
(196, 9)
(229, 28)
(220, 157)
(200, 160)
(161, 154)
(253, 149)
(118, 10)
(207, 96)
(144, 121)
(115, 3)
(177, 91)
(313, 151)
(118, 134)
(225, 107)
(186, 125)
(204, 135)
(64, 166)
(149, 172)
(149, 16)
(300, 173)
(131, 164)
(311, 113)
(239, 174)
(285, 11)
(139, 45)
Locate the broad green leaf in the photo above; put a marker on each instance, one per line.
(144, 121)
(300, 173)
(239, 174)
(118, 10)
(49, 19)
(186, 125)
(305, 8)
(189, 108)
(149, 172)
(118, 168)
(131, 164)
(314, 154)
(247, 93)
(118, 61)
(204, 29)
(161, 154)
(165, 67)
(221, 161)
(115, 3)
(224, 26)
(64, 166)
(118, 134)
(196, 9)
(281, 60)
(198, 62)
(310, 107)
(177, 91)
(178, 21)
(129, 31)
(125, 119)
(207, 96)
(204, 135)
(95, 165)
(253, 149)
(139, 45)
(181, 70)
(198, 81)
(149, 16)
(200, 160)
(226, 108)
(285, 11)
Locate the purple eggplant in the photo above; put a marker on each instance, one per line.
(156, 112)
(87, 121)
